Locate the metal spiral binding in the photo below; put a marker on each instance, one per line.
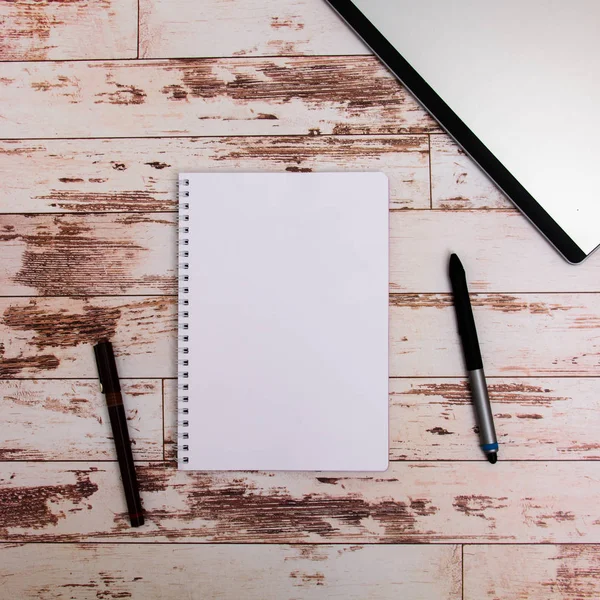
(183, 362)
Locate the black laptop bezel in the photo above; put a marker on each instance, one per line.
(450, 121)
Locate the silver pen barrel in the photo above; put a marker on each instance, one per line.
(483, 413)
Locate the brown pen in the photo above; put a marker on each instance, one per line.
(109, 385)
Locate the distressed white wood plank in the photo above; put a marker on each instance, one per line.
(176, 28)
(113, 254)
(536, 419)
(210, 97)
(68, 420)
(433, 419)
(501, 252)
(260, 572)
(50, 30)
(430, 419)
(141, 174)
(88, 254)
(457, 182)
(532, 572)
(170, 418)
(519, 334)
(451, 502)
(53, 337)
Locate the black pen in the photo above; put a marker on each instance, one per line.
(473, 360)
(109, 385)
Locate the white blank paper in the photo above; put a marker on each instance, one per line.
(288, 322)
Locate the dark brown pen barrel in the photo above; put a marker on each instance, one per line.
(118, 422)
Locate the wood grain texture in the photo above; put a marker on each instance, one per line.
(300, 113)
(261, 27)
(141, 174)
(94, 254)
(457, 182)
(170, 419)
(532, 572)
(51, 336)
(519, 502)
(205, 571)
(500, 250)
(208, 97)
(536, 419)
(110, 254)
(433, 419)
(68, 420)
(54, 337)
(67, 29)
(519, 334)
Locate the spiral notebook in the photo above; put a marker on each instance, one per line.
(283, 322)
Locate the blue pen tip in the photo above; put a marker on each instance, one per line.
(493, 457)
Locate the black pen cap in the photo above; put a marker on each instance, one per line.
(464, 315)
(107, 368)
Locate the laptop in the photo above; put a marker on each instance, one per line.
(517, 85)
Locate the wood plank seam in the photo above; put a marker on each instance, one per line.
(451, 187)
(138, 31)
(162, 382)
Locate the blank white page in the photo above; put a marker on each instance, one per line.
(287, 322)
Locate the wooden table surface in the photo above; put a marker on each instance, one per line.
(101, 104)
